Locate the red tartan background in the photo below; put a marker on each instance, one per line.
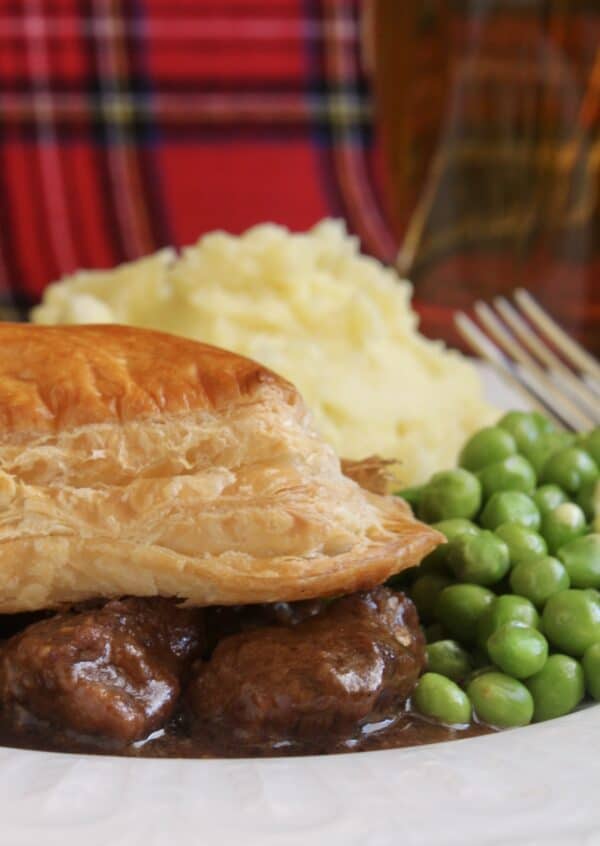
(125, 126)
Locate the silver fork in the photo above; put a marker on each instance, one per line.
(531, 352)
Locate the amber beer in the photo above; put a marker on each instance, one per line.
(489, 118)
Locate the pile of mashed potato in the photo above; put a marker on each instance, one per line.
(338, 324)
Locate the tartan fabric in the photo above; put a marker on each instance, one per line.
(125, 126)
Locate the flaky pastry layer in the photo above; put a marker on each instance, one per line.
(225, 495)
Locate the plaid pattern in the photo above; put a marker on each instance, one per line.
(126, 126)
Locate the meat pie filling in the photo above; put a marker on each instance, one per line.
(146, 677)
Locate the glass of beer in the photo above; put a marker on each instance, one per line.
(489, 119)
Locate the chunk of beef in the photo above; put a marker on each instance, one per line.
(355, 662)
(113, 671)
(225, 620)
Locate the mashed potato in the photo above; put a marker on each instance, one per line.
(336, 323)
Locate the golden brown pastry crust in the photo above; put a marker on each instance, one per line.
(134, 462)
(54, 378)
(371, 473)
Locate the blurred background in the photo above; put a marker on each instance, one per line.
(457, 138)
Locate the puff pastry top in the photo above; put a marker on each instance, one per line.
(134, 462)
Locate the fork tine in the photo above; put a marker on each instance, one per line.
(571, 413)
(485, 348)
(520, 328)
(568, 347)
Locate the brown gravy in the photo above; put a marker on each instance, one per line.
(407, 729)
(322, 679)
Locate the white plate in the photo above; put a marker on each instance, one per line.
(537, 785)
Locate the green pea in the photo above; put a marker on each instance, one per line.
(546, 445)
(565, 523)
(514, 473)
(451, 529)
(557, 689)
(500, 700)
(411, 495)
(586, 499)
(523, 426)
(486, 447)
(518, 650)
(481, 559)
(448, 658)
(538, 579)
(451, 493)
(547, 497)
(543, 422)
(571, 620)
(433, 633)
(570, 468)
(506, 609)
(456, 527)
(459, 608)
(581, 558)
(424, 593)
(591, 444)
(591, 670)
(523, 544)
(440, 698)
(510, 507)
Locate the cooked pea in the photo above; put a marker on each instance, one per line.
(500, 700)
(570, 468)
(510, 507)
(523, 426)
(538, 579)
(424, 593)
(571, 620)
(546, 445)
(543, 422)
(518, 650)
(547, 497)
(456, 527)
(439, 697)
(451, 493)
(557, 689)
(411, 495)
(591, 444)
(581, 558)
(591, 669)
(448, 658)
(459, 608)
(523, 544)
(486, 447)
(514, 473)
(563, 524)
(481, 559)
(451, 529)
(586, 499)
(505, 609)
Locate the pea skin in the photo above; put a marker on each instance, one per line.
(450, 494)
(439, 697)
